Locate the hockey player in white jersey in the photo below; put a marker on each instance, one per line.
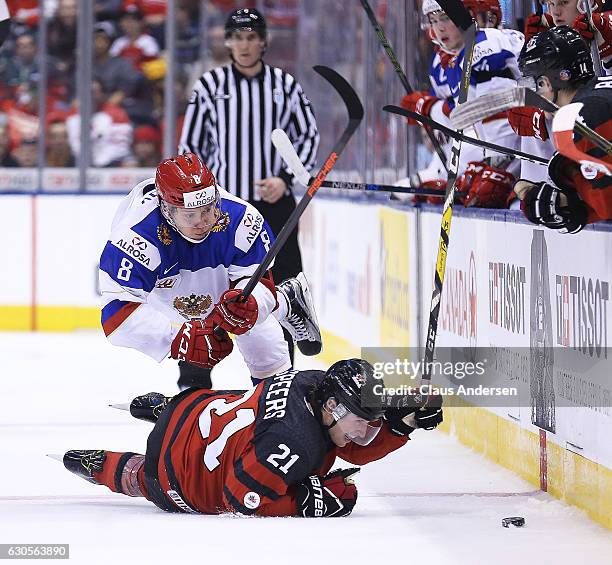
(489, 177)
(180, 250)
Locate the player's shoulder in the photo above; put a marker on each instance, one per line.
(138, 226)
(596, 97)
(490, 41)
(245, 222)
(286, 415)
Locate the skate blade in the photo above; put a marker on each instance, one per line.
(121, 406)
(57, 456)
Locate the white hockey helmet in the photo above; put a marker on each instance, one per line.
(430, 6)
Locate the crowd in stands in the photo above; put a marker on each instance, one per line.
(129, 65)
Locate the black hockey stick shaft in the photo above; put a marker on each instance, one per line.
(532, 98)
(467, 139)
(369, 187)
(380, 32)
(457, 12)
(355, 112)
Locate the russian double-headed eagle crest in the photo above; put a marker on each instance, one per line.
(222, 222)
(163, 232)
(193, 306)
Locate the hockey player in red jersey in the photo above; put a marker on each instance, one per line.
(267, 451)
(559, 62)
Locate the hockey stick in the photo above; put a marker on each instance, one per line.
(457, 12)
(594, 47)
(471, 140)
(563, 126)
(400, 73)
(287, 151)
(355, 113)
(490, 104)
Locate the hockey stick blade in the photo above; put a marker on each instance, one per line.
(485, 106)
(400, 73)
(355, 113)
(472, 141)
(283, 145)
(563, 131)
(474, 111)
(287, 151)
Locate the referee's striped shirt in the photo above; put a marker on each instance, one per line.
(229, 122)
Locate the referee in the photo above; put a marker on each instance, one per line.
(230, 117)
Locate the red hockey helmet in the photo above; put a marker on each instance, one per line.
(484, 6)
(185, 182)
(189, 196)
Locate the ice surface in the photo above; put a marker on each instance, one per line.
(433, 502)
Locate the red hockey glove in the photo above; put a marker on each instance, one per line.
(333, 495)
(536, 23)
(437, 184)
(197, 343)
(528, 121)
(465, 181)
(602, 21)
(421, 102)
(234, 317)
(490, 189)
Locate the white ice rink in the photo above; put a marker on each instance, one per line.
(432, 502)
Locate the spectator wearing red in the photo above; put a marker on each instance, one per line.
(111, 131)
(147, 147)
(24, 12)
(22, 113)
(154, 16)
(127, 87)
(134, 45)
(153, 11)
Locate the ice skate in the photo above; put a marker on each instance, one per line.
(146, 407)
(301, 321)
(85, 462)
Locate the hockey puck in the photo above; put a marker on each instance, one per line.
(517, 521)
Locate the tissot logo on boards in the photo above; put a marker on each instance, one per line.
(507, 296)
(582, 314)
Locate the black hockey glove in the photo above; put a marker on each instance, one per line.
(335, 494)
(404, 420)
(558, 209)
